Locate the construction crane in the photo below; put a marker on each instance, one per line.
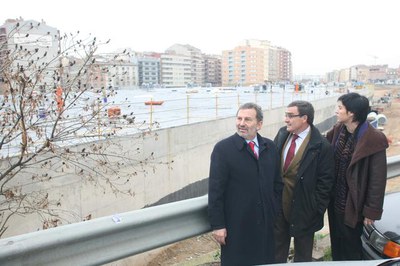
(374, 57)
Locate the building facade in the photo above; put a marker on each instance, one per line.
(21, 41)
(273, 64)
(149, 68)
(176, 70)
(213, 71)
(112, 72)
(255, 62)
(243, 66)
(285, 71)
(197, 62)
(365, 74)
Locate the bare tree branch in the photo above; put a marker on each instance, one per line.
(51, 112)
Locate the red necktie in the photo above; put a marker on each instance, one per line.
(251, 144)
(290, 153)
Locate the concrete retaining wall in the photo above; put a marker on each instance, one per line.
(178, 170)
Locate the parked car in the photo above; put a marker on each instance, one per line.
(382, 239)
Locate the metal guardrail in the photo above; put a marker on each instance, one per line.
(393, 166)
(111, 238)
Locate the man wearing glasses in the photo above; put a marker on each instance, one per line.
(308, 175)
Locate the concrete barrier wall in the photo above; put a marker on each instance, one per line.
(273, 121)
(178, 168)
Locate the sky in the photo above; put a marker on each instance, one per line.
(322, 35)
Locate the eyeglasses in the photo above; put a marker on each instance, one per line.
(290, 116)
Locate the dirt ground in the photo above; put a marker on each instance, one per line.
(392, 113)
(203, 250)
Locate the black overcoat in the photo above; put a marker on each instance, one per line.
(314, 183)
(244, 197)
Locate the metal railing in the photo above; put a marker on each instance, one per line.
(111, 238)
(393, 166)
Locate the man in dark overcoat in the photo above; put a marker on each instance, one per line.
(308, 178)
(245, 189)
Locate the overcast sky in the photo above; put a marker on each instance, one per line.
(322, 35)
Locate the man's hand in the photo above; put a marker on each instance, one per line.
(368, 221)
(220, 235)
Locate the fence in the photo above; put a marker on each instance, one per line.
(174, 107)
(126, 112)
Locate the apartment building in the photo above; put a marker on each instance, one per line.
(243, 66)
(344, 75)
(273, 64)
(255, 62)
(285, 70)
(392, 74)
(197, 63)
(213, 70)
(332, 76)
(370, 73)
(176, 70)
(109, 71)
(124, 75)
(364, 73)
(149, 67)
(378, 72)
(21, 41)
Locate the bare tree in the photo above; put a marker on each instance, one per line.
(54, 119)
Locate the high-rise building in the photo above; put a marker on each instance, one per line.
(285, 72)
(273, 64)
(176, 70)
(197, 65)
(244, 65)
(149, 71)
(255, 62)
(212, 70)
